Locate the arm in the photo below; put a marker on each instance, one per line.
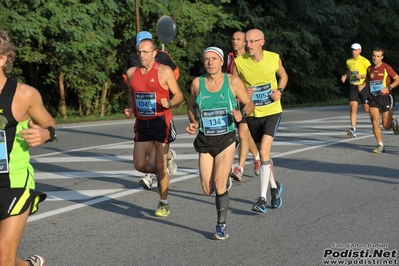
(191, 107)
(41, 120)
(240, 92)
(282, 82)
(168, 81)
(129, 111)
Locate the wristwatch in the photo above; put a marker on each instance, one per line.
(170, 104)
(53, 134)
(390, 87)
(244, 114)
(281, 90)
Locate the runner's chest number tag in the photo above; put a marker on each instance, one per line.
(214, 121)
(261, 94)
(376, 86)
(353, 78)
(146, 103)
(3, 152)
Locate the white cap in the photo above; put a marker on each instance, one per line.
(356, 46)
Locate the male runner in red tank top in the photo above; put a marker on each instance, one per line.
(150, 87)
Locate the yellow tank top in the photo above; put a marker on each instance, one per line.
(355, 66)
(262, 77)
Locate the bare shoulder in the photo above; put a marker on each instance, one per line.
(164, 69)
(234, 80)
(26, 91)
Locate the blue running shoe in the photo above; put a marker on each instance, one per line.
(260, 205)
(276, 196)
(351, 132)
(221, 232)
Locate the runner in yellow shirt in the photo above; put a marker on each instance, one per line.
(357, 70)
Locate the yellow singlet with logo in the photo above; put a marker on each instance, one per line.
(261, 76)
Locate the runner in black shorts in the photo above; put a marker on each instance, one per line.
(381, 100)
(356, 74)
(211, 110)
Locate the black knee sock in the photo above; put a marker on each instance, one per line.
(222, 205)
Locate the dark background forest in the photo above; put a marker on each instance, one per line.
(74, 51)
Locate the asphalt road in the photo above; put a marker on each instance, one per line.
(338, 198)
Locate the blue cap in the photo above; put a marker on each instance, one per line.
(141, 36)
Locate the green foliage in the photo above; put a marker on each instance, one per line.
(87, 41)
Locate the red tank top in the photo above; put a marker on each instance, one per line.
(147, 94)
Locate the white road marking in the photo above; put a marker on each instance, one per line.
(109, 194)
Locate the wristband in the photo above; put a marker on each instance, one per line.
(390, 87)
(53, 134)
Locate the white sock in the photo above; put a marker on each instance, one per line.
(164, 201)
(257, 157)
(266, 177)
(381, 143)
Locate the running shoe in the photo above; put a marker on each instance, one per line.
(229, 183)
(237, 174)
(379, 149)
(36, 260)
(396, 126)
(257, 167)
(260, 205)
(163, 210)
(172, 166)
(276, 196)
(146, 181)
(221, 232)
(351, 132)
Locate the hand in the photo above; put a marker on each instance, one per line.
(128, 112)
(275, 95)
(343, 78)
(192, 128)
(35, 135)
(250, 92)
(165, 103)
(237, 115)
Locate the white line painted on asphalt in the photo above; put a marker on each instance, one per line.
(119, 194)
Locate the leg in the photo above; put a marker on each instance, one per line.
(146, 181)
(141, 152)
(206, 165)
(222, 199)
(161, 166)
(11, 230)
(387, 121)
(353, 113)
(375, 121)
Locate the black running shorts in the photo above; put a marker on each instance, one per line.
(15, 201)
(267, 125)
(355, 94)
(213, 144)
(156, 129)
(383, 102)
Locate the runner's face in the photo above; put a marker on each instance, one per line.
(237, 41)
(377, 57)
(356, 52)
(146, 53)
(254, 43)
(212, 63)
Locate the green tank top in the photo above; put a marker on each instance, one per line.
(214, 109)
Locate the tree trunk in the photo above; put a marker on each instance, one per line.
(63, 108)
(104, 97)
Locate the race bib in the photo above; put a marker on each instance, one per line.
(353, 78)
(3, 153)
(376, 86)
(261, 94)
(214, 121)
(146, 103)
